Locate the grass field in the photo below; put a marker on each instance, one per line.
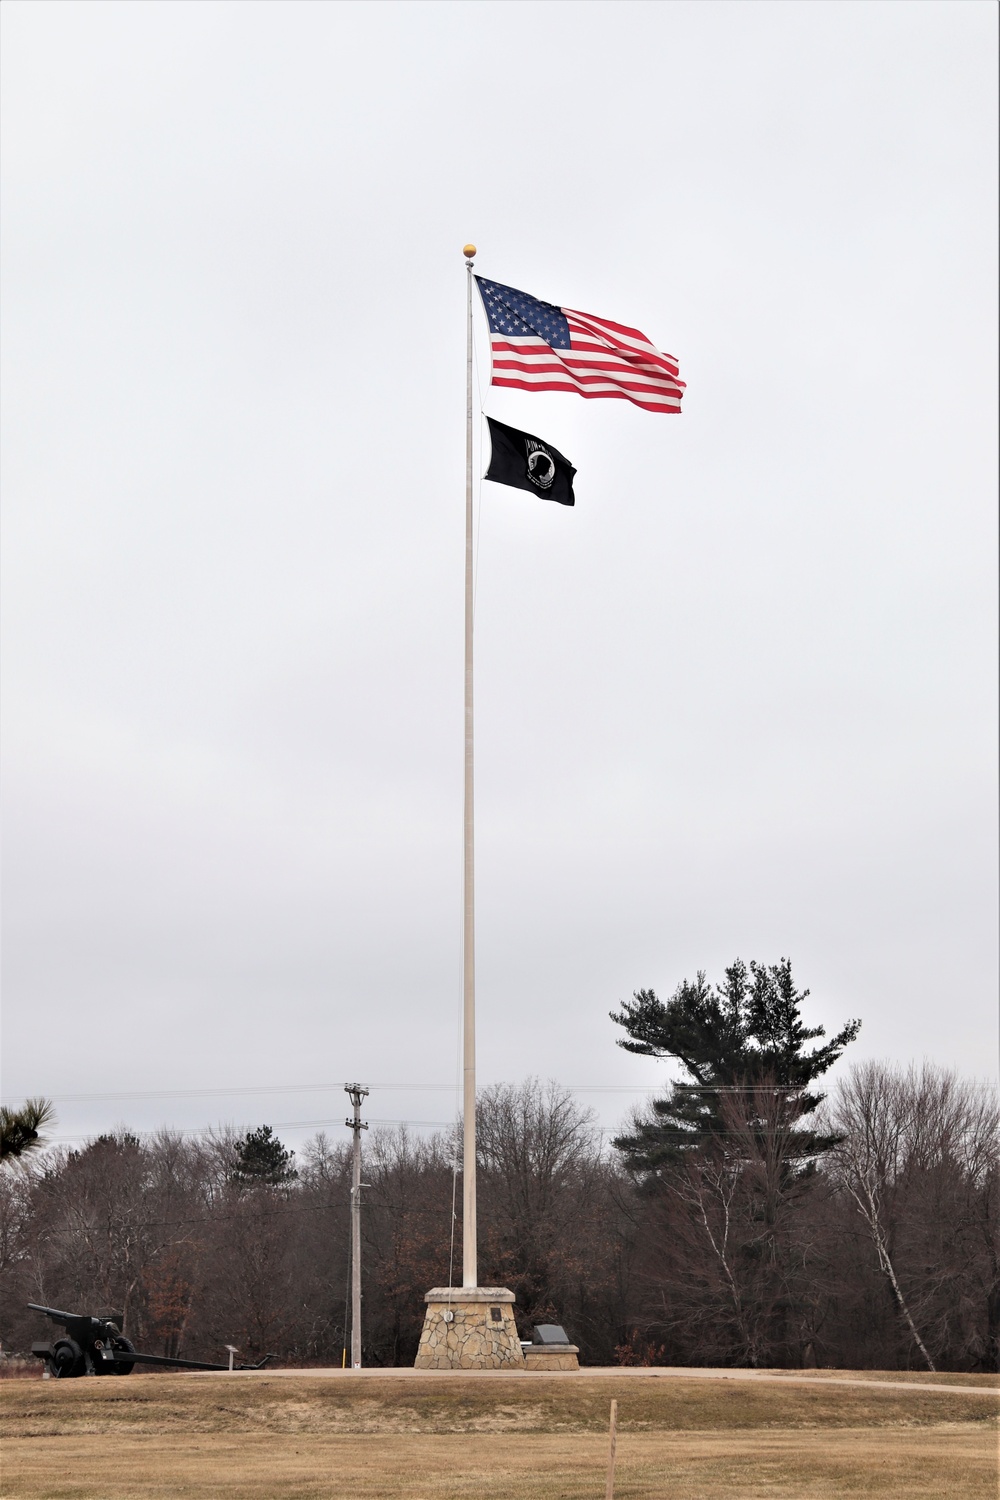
(378, 1438)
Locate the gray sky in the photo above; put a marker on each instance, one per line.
(741, 700)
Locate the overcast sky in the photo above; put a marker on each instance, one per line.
(739, 701)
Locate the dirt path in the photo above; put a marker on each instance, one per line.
(881, 1381)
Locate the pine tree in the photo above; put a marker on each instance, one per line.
(262, 1159)
(737, 1042)
(21, 1129)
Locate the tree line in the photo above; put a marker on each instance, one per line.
(742, 1219)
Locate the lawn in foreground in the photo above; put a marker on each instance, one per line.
(308, 1439)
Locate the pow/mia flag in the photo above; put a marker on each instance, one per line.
(529, 464)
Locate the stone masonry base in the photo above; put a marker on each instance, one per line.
(469, 1328)
(552, 1357)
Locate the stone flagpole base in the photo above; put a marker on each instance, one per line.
(469, 1328)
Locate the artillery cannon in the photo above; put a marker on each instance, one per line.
(97, 1346)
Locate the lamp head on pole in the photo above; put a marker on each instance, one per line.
(469, 251)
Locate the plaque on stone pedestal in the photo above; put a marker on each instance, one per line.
(550, 1349)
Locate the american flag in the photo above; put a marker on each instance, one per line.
(539, 347)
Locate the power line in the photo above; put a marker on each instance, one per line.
(55, 1140)
(126, 1096)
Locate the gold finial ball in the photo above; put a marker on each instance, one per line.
(468, 251)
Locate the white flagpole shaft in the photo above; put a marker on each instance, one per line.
(469, 1267)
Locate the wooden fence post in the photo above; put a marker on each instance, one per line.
(609, 1493)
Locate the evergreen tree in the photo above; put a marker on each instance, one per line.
(262, 1159)
(737, 1042)
(21, 1129)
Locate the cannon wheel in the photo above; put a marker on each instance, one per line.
(67, 1359)
(126, 1346)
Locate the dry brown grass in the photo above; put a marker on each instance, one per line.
(302, 1438)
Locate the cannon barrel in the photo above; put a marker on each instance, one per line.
(55, 1314)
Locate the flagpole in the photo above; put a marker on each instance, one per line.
(469, 1267)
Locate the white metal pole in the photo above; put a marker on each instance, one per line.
(469, 1268)
(357, 1093)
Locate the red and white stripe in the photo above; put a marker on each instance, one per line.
(606, 359)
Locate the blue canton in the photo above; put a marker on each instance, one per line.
(512, 312)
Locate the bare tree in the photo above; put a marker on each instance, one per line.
(407, 1236)
(550, 1210)
(918, 1159)
(731, 1261)
(16, 1219)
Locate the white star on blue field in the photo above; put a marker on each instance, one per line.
(514, 312)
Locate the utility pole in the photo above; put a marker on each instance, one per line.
(357, 1093)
